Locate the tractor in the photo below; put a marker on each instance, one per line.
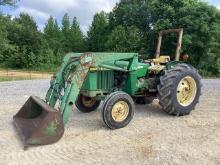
(118, 81)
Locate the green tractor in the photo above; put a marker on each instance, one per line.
(119, 80)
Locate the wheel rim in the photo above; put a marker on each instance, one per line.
(88, 101)
(186, 91)
(120, 111)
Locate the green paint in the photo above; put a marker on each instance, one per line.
(101, 80)
(172, 64)
(34, 141)
(51, 129)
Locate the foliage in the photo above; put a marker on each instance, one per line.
(124, 40)
(66, 33)
(97, 34)
(29, 42)
(201, 23)
(7, 2)
(76, 37)
(53, 35)
(5, 47)
(132, 26)
(71, 35)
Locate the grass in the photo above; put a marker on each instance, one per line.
(14, 75)
(3, 78)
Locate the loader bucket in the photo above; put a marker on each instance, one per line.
(38, 123)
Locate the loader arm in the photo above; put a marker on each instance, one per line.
(59, 79)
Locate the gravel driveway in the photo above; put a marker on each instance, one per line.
(153, 137)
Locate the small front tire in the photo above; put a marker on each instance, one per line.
(118, 110)
(87, 104)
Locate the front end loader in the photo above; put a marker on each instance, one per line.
(119, 80)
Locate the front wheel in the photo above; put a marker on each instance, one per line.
(179, 90)
(118, 110)
(87, 104)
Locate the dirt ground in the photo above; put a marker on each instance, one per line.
(153, 137)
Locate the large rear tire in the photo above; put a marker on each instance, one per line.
(179, 90)
(87, 104)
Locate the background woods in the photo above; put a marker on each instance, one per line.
(132, 26)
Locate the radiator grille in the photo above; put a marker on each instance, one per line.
(105, 80)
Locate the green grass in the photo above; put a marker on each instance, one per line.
(2, 79)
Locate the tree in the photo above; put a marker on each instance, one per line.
(76, 37)
(130, 13)
(66, 45)
(3, 40)
(124, 40)
(6, 49)
(52, 34)
(134, 39)
(201, 24)
(7, 2)
(72, 36)
(66, 24)
(117, 40)
(98, 32)
(133, 25)
(199, 20)
(23, 33)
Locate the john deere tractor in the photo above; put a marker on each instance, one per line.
(118, 81)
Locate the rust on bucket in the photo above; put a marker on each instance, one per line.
(38, 123)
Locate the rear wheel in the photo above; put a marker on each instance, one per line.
(118, 110)
(179, 90)
(87, 104)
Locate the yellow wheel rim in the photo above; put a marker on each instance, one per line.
(186, 91)
(88, 101)
(120, 111)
